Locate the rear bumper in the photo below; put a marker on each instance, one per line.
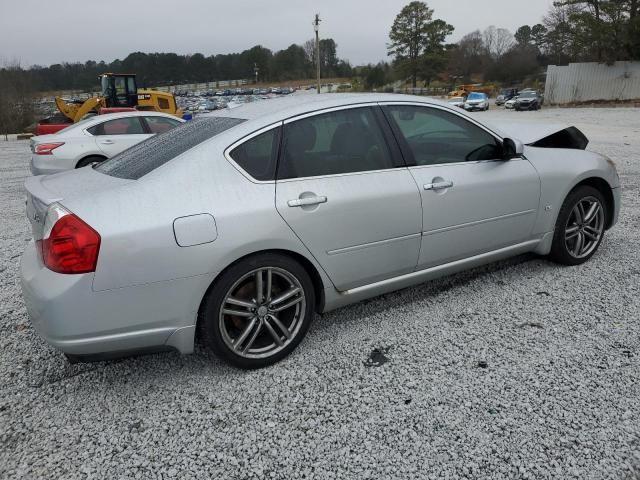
(73, 318)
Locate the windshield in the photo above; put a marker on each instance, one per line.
(527, 94)
(476, 96)
(146, 156)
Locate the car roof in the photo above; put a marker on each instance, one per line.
(277, 109)
(97, 119)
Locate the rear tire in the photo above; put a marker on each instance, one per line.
(89, 160)
(580, 227)
(273, 297)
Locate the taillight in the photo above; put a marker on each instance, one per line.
(46, 148)
(69, 245)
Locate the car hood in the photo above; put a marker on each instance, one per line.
(544, 135)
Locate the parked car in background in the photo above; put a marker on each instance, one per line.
(456, 102)
(95, 139)
(505, 95)
(528, 100)
(145, 249)
(510, 104)
(477, 101)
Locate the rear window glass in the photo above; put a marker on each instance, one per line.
(146, 156)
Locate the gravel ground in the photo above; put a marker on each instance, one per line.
(520, 369)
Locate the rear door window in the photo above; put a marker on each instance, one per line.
(344, 141)
(119, 126)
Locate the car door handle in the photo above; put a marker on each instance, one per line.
(305, 202)
(438, 186)
(107, 142)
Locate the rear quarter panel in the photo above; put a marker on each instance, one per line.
(136, 221)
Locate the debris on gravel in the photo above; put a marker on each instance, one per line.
(520, 369)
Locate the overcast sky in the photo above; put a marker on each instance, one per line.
(53, 31)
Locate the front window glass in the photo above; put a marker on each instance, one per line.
(121, 86)
(432, 136)
(131, 82)
(105, 85)
(161, 124)
(344, 141)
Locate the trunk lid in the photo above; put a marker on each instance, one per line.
(44, 190)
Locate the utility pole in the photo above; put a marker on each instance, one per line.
(316, 27)
(256, 70)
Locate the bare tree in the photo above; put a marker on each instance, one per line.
(16, 99)
(504, 41)
(497, 41)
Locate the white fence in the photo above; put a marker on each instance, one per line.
(589, 82)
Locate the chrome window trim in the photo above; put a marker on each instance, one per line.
(329, 110)
(246, 138)
(347, 174)
(473, 162)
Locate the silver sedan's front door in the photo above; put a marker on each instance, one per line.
(477, 207)
(473, 201)
(357, 212)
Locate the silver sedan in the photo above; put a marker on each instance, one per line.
(238, 228)
(95, 139)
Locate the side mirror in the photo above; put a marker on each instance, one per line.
(512, 148)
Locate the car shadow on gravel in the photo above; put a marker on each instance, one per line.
(429, 290)
(172, 363)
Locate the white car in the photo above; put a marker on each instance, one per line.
(95, 140)
(511, 104)
(456, 102)
(477, 101)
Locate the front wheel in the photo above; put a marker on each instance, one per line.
(580, 227)
(258, 311)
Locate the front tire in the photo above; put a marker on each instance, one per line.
(258, 311)
(580, 227)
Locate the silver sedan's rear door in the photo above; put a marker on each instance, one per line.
(343, 193)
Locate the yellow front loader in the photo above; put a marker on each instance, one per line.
(120, 93)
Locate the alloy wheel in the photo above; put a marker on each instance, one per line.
(262, 312)
(585, 227)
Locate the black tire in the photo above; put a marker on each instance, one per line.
(214, 325)
(89, 160)
(559, 250)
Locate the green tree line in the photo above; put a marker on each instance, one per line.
(153, 69)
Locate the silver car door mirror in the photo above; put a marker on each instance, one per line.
(512, 148)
